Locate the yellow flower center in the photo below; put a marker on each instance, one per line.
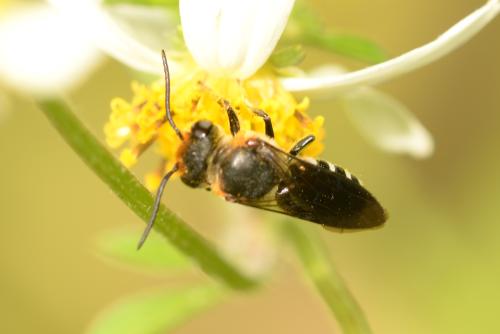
(140, 122)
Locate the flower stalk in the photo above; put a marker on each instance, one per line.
(321, 271)
(126, 186)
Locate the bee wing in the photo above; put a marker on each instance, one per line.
(318, 193)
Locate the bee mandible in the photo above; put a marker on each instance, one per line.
(250, 169)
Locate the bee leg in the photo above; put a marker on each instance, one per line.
(302, 144)
(267, 121)
(234, 123)
(156, 205)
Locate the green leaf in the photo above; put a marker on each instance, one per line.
(121, 246)
(305, 27)
(355, 47)
(126, 186)
(155, 312)
(288, 56)
(162, 3)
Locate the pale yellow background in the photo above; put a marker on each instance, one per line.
(435, 267)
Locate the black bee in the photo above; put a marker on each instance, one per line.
(248, 168)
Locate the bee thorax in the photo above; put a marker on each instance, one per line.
(196, 152)
(245, 173)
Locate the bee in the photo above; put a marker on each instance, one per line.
(250, 169)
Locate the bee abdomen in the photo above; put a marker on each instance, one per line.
(338, 170)
(328, 197)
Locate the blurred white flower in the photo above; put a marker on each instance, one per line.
(133, 36)
(387, 123)
(235, 38)
(41, 51)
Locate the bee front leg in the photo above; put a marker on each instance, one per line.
(302, 144)
(234, 123)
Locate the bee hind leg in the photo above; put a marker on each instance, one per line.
(302, 144)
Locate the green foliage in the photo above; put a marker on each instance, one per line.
(156, 311)
(351, 46)
(163, 3)
(120, 246)
(304, 27)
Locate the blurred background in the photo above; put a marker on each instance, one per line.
(434, 267)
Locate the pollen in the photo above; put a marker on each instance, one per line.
(136, 123)
(128, 158)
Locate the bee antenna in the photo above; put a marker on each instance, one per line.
(156, 206)
(167, 96)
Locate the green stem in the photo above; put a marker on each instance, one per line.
(126, 186)
(330, 285)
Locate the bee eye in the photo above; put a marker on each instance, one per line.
(201, 129)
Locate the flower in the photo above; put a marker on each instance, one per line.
(41, 51)
(234, 39)
(199, 95)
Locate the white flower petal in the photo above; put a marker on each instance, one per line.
(40, 52)
(386, 123)
(230, 37)
(110, 36)
(325, 71)
(444, 44)
(155, 27)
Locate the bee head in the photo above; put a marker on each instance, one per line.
(196, 151)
